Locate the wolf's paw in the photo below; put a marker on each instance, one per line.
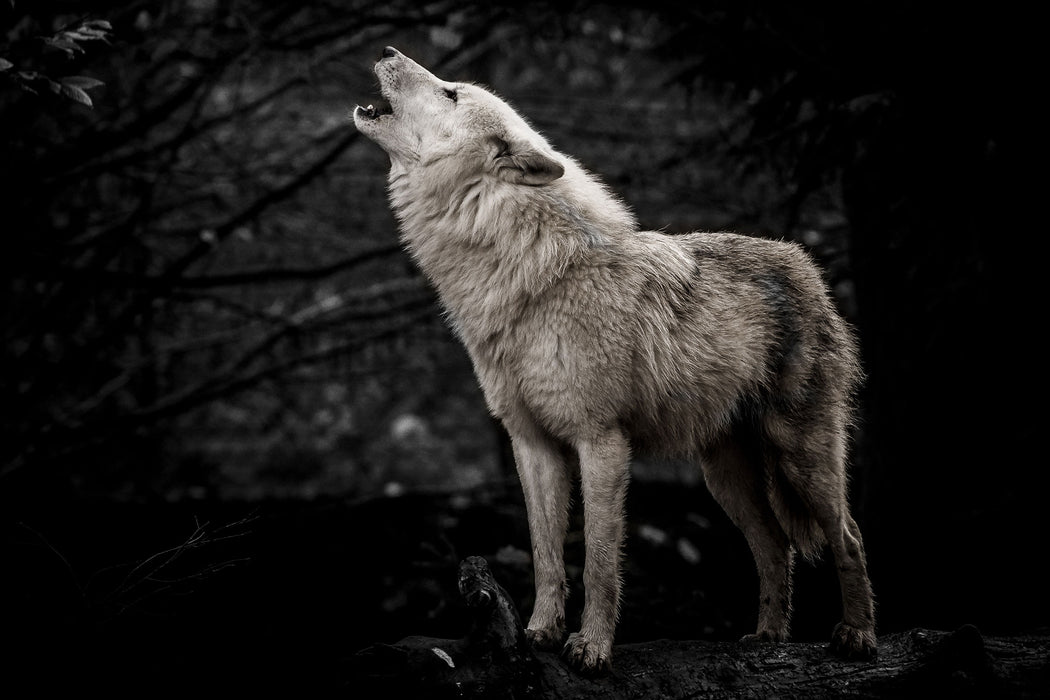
(588, 657)
(851, 642)
(546, 639)
(764, 637)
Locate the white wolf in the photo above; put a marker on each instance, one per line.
(591, 338)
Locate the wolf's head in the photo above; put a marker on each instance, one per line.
(430, 121)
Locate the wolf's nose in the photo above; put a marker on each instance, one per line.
(389, 52)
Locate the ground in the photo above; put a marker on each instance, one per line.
(265, 596)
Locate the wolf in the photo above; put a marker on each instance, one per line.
(593, 340)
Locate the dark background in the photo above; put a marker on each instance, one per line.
(238, 442)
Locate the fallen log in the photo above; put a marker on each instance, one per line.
(495, 660)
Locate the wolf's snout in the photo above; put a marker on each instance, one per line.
(389, 52)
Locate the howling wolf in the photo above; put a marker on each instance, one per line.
(592, 339)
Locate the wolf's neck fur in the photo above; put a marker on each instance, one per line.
(490, 247)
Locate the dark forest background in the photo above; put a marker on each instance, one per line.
(238, 438)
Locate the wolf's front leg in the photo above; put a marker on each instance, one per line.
(545, 482)
(604, 473)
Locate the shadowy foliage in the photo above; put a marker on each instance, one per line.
(163, 251)
(70, 41)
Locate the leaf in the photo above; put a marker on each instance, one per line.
(85, 34)
(99, 24)
(5, 64)
(63, 45)
(81, 81)
(76, 94)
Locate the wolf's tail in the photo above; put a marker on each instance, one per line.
(794, 515)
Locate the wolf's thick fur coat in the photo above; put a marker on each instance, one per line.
(592, 339)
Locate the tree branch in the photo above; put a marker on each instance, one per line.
(255, 208)
(247, 277)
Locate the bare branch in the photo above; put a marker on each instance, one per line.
(141, 577)
(224, 384)
(255, 208)
(247, 277)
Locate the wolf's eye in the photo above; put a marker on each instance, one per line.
(452, 95)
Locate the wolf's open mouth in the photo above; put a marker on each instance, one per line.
(374, 112)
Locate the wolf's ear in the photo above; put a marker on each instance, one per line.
(523, 164)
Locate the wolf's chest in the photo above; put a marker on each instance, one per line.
(552, 370)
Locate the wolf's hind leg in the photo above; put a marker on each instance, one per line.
(545, 482)
(815, 466)
(854, 637)
(735, 476)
